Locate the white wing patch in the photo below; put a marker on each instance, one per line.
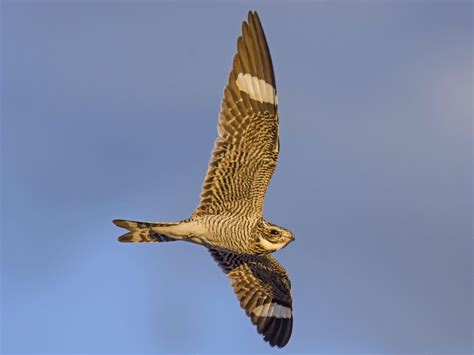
(257, 89)
(272, 310)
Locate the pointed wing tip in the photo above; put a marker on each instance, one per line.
(277, 332)
(253, 21)
(245, 27)
(252, 14)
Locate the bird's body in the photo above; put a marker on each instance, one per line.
(226, 232)
(228, 220)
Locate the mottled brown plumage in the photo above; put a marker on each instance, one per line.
(229, 219)
(259, 282)
(246, 151)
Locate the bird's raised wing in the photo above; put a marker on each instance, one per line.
(264, 291)
(246, 150)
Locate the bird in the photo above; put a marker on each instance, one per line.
(229, 218)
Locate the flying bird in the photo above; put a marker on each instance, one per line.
(229, 219)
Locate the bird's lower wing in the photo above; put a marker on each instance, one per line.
(264, 290)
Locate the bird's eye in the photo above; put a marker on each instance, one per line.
(273, 232)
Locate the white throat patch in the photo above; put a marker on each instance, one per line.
(269, 245)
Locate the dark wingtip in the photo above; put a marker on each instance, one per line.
(279, 332)
(252, 14)
(245, 26)
(276, 331)
(286, 335)
(255, 15)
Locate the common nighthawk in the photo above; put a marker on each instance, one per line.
(228, 220)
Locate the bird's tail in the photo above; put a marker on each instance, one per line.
(145, 232)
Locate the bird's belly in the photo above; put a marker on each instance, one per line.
(229, 233)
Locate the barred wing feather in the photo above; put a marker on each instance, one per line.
(246, 150)
(264, 290)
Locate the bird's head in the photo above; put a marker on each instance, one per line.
(271, 237)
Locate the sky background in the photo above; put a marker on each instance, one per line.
(109, 110)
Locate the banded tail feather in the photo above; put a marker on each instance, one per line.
(143, 232)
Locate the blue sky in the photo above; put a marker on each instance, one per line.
(109, 110)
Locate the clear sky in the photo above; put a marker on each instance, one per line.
(109, 110)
